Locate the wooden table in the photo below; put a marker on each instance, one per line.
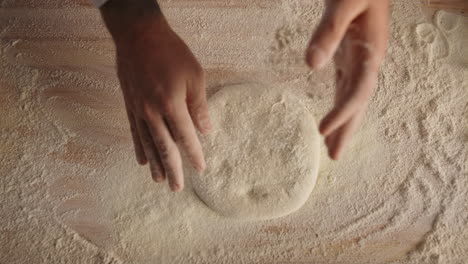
(71, 61)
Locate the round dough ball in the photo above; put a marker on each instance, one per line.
(262, 155)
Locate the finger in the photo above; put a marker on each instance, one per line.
(340, 84)
(342, 113)
(330, 32)
(156, 167)
(365, 46)
(167, 150)
(355, 97)
(182, 129)
(197, 105)
(344, 134)
(139, 152)
(376, 32)
(330, 141)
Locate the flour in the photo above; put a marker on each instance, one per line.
(71, 191)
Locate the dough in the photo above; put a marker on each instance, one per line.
(262, 155)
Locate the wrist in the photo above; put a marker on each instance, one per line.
(128, 19)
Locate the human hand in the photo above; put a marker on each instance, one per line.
(164, 91)
(355, 32)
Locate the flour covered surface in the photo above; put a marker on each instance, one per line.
(262, 155)
(73, 192)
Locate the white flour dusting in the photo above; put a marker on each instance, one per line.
(71, 191)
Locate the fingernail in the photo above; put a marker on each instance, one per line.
(142, 161)
(205, 124)
(201, 167)
(336, 156)
(322, 129)
(175, 187)
(159, 179)
(317, 57)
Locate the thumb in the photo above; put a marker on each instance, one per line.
(198, 106)
(331, 30)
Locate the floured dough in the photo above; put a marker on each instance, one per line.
(262, 155)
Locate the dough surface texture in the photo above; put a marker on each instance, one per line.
(262, 154)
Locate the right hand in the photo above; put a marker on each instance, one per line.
(164, 91)
(355, 31)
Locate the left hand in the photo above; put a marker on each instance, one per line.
(356, 33)
(163, 87)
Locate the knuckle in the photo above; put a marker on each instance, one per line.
(155, 170)
(145, 110)
(332, 26)
(167, 106)
(183, 139)
(147, 142)
(196, 107)
(330, 23)
(166, 151)
(163, 149)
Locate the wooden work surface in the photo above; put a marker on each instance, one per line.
(55, 45)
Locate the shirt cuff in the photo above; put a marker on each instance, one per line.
(99, 3)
